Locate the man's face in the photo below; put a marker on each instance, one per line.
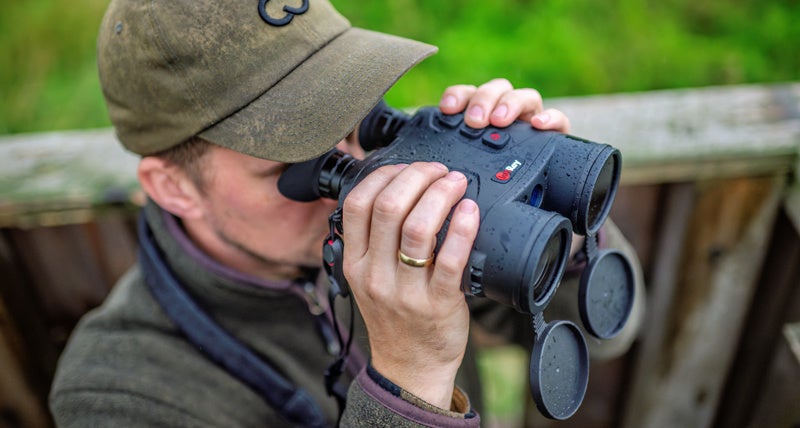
(247, 224)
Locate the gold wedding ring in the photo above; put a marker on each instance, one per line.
(414, 262)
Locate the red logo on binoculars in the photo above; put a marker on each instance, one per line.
(504, 175)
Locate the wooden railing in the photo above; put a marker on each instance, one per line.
(709, 200)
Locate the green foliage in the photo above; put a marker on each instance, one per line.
(561, 47)
(47, 68)
(504, 381)
(579, 47)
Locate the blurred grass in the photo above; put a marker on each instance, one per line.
(47, 69)
(578, 47)
(504, 379)
(562, 47)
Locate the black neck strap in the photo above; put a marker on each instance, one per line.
(293, 403)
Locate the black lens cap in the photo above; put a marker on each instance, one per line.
(559, 371)
(605, 296)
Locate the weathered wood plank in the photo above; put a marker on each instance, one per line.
(671, 238)
(60, 177)
(777, 401)
(698, 133)
(23, 383)
(776, 300)
(70, 268)
(792, 203)
(19, 405)
(726, 239)
(792, 334)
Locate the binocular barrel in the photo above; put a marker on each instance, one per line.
(583, 178)
(518, 263)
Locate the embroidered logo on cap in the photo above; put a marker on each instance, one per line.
(290, 13)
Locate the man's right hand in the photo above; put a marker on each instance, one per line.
(417, 318)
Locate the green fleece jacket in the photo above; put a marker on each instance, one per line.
(128, 365)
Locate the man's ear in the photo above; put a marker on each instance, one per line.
(170, 187)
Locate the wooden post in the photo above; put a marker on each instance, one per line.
(697, 318)
(20, 405)
(763, 360)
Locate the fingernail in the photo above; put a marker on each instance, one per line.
(468, 206)
(448, 101)
(455, 176)
(500, 112)
(543, 118)
(476, 112)
(440, 166)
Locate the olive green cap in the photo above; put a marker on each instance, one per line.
(283, 80)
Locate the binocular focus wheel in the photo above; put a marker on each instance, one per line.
(559, 371)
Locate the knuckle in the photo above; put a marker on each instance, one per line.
(375, 292)
(362, 282)
(499, 82)
(461, 89)
(447, 191)
(356, 204)
(531, 93)
(417, 232)
(359, 201)
(428, 168)
(423, 173)
(449, 264)
(386, 207)
(556, 113)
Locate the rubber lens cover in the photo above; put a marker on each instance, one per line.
(559, 371)
(605, 296)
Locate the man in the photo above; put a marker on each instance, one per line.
(218, 97)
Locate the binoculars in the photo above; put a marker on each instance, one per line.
(534, 189)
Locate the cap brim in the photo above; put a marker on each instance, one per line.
(322, 100)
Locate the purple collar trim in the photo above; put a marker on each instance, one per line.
(202, 259)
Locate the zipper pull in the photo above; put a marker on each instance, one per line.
(316, 305)
(331, 342)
